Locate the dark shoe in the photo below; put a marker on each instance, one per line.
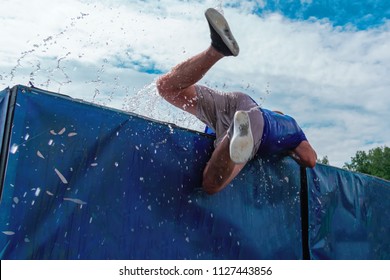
(221, 36)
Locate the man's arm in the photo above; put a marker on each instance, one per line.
(295, 157)
(304, 155)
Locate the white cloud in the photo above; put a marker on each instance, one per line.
(333, 80)
(319, 74)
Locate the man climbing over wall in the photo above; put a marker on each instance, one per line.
(242, 128)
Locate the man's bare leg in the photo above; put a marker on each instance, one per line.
(177, 86)
(220, 170)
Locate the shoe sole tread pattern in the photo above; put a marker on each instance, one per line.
(241, 144)
(220, 25)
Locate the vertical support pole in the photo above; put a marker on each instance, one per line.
(7, 137)
(304, 198)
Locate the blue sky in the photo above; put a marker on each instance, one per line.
(327, 63)
(351, 13)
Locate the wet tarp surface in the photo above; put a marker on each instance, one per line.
(85, 182)
(349, 215)
(4, 97)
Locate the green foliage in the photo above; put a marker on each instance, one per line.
(376, 162)
(324, 160)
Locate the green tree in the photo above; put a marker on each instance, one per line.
(324, 160)
(376, 162)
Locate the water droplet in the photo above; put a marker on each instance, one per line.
(62, 178)
(37, 191)
(39, 154)
(62, 131)
(14, 148)
(75, 200)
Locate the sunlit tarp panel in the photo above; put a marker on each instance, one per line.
(349, 215)
(85, 182)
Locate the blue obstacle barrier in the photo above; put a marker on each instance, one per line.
(349, 215)
(82, 181)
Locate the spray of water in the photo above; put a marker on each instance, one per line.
(49, 64)
(149, 103)
(219, 6)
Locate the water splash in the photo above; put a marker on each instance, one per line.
(37, 58)
(149, 103)
(219, 6)
(48, 58)
(262, 99)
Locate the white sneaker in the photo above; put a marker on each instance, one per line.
(241, 144)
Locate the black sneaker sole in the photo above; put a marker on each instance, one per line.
(221, 27)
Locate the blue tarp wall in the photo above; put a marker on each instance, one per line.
(4, 98)
(81, 181)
